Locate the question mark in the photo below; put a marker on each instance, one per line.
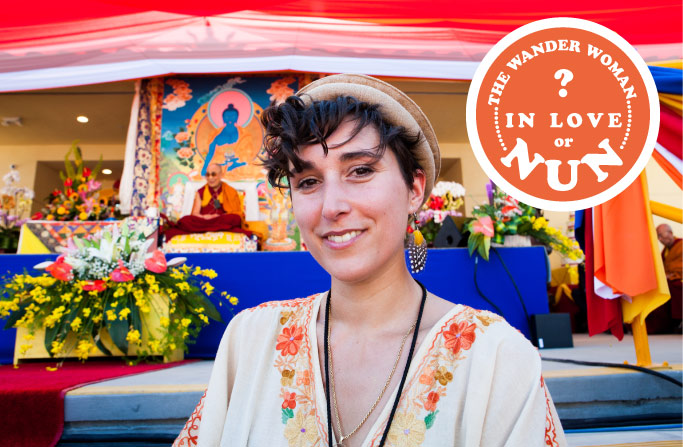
(566, 76)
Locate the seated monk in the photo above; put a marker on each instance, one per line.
(216, 207)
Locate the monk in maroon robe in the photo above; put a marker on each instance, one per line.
(667, 318)
(216, 207)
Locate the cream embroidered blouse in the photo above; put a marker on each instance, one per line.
(474, 381)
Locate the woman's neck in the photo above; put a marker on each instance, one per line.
(388, 300)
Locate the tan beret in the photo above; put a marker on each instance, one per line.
(396, 107)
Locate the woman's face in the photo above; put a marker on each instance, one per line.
(352, 210)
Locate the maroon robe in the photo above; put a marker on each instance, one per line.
(195, 224)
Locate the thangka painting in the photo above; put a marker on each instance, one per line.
(215, 120)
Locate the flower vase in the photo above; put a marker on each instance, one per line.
(151, 325)
(516, 240)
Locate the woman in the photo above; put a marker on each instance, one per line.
(376, 360)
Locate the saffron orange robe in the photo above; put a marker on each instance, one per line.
(673, 265)
(225, 200)
(223, 203)
(673, 260)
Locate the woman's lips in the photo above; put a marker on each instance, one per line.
(339, 241)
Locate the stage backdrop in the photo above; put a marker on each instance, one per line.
(211, 119)
(265, 276)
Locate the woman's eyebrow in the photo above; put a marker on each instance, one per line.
(305, 165)
(347, 156)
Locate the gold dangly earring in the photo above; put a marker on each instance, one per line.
(417, 246)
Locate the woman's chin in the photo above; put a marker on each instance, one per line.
(350, 277)
(353, 271)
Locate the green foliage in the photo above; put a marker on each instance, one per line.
(121, 310)
(510, 217)
(16, 316)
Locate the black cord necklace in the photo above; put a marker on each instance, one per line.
(403, 378)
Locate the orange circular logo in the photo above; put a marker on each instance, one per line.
(563, 114)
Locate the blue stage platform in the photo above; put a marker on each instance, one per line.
(265, 276)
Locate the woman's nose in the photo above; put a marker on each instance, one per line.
(335, 201)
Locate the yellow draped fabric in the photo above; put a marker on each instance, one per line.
(672, 101)
(562, 278)
(674, 63)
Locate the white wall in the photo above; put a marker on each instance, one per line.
(27, 157)
(43, 179)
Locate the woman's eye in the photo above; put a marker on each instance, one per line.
(306, 183)
(362, 171)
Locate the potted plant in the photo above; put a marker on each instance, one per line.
(15, 204)
(445, 201)
(108, 295)
(507, 222)
(79, 198)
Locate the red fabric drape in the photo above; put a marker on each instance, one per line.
(603, 314)
(670, 125)
(655, 22)
(32, 398)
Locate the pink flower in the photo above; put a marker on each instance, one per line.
(61, 270)
(182, 136)
(185, 152)
(156, 263)
(511, 206)
(94, 185)
(121, 273)
(97, 285)
(89, 204)
(483, 225)
(435, 202)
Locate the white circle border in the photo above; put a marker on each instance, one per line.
(471, 114)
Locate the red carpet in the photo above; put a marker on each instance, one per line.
(32, 398)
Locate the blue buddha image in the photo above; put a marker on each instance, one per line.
(228, 135)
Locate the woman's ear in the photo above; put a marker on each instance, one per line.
(417, 190)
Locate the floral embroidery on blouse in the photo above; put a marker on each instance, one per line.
(302, 427)
(289, 340)
(460, 336)
(407, 430)
(301, 430)
(419, 405)
(188, 435)
(550, 430)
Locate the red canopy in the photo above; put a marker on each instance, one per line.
(50, 44)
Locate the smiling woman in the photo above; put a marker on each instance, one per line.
(333, 368)
(351, 195)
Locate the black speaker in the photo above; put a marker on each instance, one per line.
(551, 331)
(448, 236)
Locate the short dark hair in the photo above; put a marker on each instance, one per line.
(294, 124)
